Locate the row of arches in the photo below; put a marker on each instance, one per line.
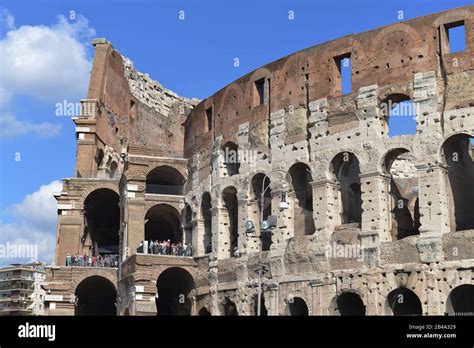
(102, 212)
(96, 295)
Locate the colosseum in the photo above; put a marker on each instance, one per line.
(282, 193)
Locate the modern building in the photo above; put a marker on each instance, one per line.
(21, 291)
(357, 221)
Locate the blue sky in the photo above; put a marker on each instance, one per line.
(193, 57)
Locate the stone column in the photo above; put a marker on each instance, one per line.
(326, 209)
(317, 301)
(271, 299)
(435, 217)
(284, 229)
(375, 215)
(242, 216)
(253, 213)
(198, 237)
(220, 231)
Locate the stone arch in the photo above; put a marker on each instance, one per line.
(296, 306)
(230, 307)
(398, 113)
(230, 152)
(348, 303)
(460, 301)
(455, 153)
(163, 222)
(301, 178)
(113, 186)
(204, 312)
(206, 216)
(104, 273)
(180, 168)
(345, 171)
(174, 286)
(403, 301)
(390, 31)
(95, 295)
(101, 223)
(231, 216)
(399, 164)
(165, 179)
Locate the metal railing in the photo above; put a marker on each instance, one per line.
(164, 189)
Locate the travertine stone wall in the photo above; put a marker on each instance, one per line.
(303, 122)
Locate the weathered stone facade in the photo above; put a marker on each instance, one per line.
(377, 224)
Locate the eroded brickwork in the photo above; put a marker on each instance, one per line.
(371, 217)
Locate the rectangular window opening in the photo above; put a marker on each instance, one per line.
(344, 66)
(209, 119)
(259, 98)
(455, 36)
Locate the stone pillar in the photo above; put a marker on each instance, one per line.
(271, 299)
(198, 237)
(70, 225)
(220, 231)
(376, 204)
(326, 209)
(435, 217)
(242, 217)
(284, 229)
(253, 213)
(317, 123)
(317, 300)
(135, 224)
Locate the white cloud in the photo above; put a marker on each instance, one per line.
(11, 127)
(7, 20)
(47, 63)
(33, 223)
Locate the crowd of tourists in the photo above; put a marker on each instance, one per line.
(165, 248)
(92, 261)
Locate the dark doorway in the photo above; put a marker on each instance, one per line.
(173, 288)
(95, 295)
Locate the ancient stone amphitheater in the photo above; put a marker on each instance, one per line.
(374, 224)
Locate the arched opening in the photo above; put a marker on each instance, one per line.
(458, 155)
(403, 301)
(405, 215)
(231, 218)
(400, 115)
(461, 301)
(350, 303)
(162, 223)
(165, 180)
(230, 309)
(126, 312)
(296, 306)
(95, 295)
(345, 169)
(173, 288)
(261, 183)
(188, 228)
(231, 158)
(207, 220)
(99, 157)
(204, 312)
(102, 223)
(263, 308)
(303, 211)
(113, 169)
